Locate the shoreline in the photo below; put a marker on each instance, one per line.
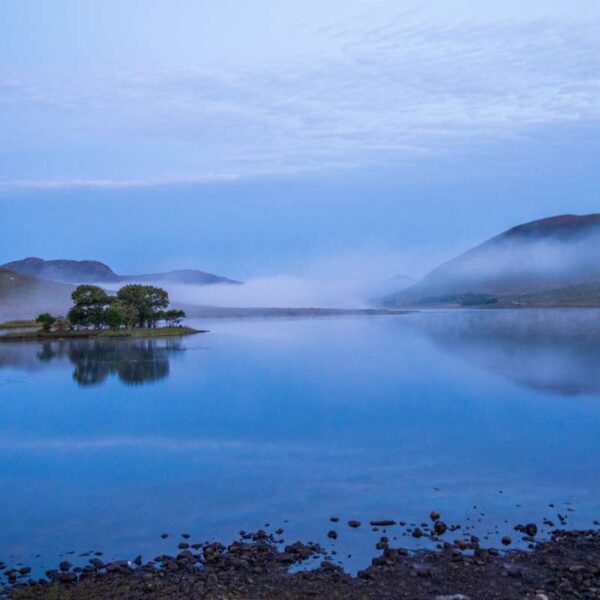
(258, 566)
(158, 332)
(215, 312)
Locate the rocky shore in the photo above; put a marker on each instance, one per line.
(260, 565)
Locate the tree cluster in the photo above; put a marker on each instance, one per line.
(134, 305)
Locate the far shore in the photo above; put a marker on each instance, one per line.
(154, 332)
(215, 312)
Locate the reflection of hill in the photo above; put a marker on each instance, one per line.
(132, 361)
(554, 350)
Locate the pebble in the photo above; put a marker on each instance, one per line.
(531, 529)
(65, 565)
(440, 527)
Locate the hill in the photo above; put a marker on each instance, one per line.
(182, 276)
(23, 296)
(549, 262)
(93, 271)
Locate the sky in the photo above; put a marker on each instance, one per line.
(307, 137)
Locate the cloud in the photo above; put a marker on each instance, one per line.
(111, 183)
(380, 95)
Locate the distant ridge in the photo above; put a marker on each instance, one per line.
(93, 271)
(553, 261)
(68, 271)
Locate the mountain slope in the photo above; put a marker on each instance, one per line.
(23, 296)
(92, 271)
(554, 261)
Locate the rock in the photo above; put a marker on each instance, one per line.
(65, 565)
(382, 523)
(334, 519)
(332, 534)
(117, 566)
(138, 560)
(531, 529)
(96, 562)
(434, 515)
(354, 524)
(506, 540)
(302, 551)
(440, 527)
(164, 536)
(417, 533)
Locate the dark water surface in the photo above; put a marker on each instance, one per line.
(105, 444)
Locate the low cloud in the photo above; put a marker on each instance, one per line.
(355, 280)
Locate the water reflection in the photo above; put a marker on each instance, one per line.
(556, 351)
(133, 362)
(292, 421)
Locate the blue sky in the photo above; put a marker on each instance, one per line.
(266, 137)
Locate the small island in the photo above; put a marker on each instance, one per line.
(135, 311)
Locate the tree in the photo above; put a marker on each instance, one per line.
(131, 316)
(79, 317)
(91, 302)
(46, 320)
(62, 324)
(173, 317)
(147, 300)
(115, 316)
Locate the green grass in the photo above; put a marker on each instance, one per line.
(18, 324)
(99, 333)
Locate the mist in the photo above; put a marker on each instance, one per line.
(356, 280)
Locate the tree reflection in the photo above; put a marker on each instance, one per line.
(134, 362)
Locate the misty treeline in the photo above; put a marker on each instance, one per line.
(133, 306)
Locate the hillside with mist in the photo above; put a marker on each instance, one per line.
(548, 262)
(24, 297)
(93, 271)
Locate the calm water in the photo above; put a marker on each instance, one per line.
(105, 445)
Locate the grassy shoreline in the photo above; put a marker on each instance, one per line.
(19, 324)
(155, 332)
